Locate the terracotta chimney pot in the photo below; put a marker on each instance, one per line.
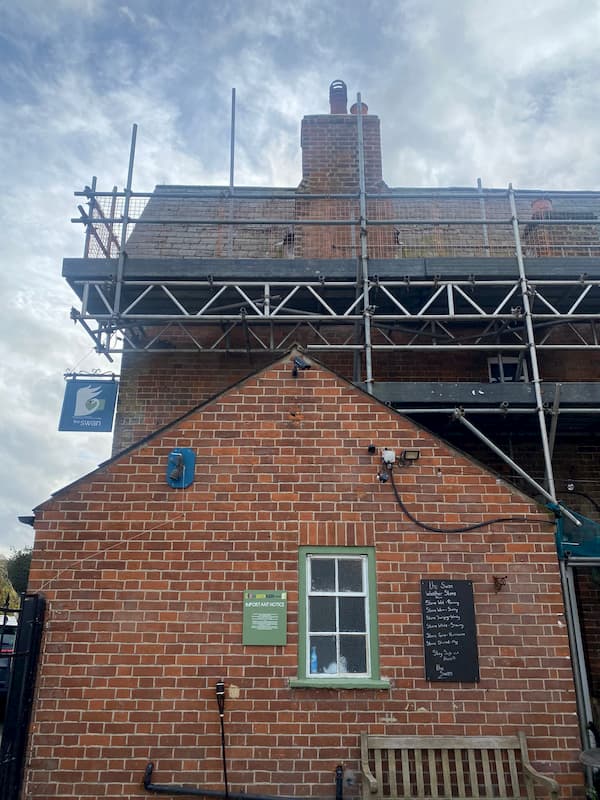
(338, 97)
(364, 109)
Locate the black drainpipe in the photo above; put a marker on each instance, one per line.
(181, 790)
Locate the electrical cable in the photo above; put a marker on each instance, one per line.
(463, 529)
(587, 497)
(119, 543)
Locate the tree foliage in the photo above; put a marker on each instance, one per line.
(8, 596)
(17, 567)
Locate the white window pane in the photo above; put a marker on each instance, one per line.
(352, 614)
(350, 575)
(322, 655)
(322, 614)
(353, 649)
(322, 575)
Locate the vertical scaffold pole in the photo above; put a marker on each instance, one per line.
(231, 173)
(364, 261)
(126, 204)
(88, 227)
(582, 689)
(486, 238)
(531, 345)
(232, 141)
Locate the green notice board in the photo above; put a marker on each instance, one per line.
(265, 617)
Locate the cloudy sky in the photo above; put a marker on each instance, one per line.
(505, 91)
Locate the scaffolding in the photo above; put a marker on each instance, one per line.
(448, 294)
(509, 274)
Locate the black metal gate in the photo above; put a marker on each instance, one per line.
(20, 667)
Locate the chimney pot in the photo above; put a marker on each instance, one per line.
(541, 208)
(338, 97)
(364, 109)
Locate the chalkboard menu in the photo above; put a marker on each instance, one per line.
(449, 632)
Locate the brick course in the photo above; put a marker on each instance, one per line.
(145, 584)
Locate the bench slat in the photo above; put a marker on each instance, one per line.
(460, 774)
(377, 742)
(446, 773)
(379, 772)
(487, 776)
(406, 774)
(391, 754)
(473, 773)
(419, 772)
(500, 771)
(514, 775)
(433, 773)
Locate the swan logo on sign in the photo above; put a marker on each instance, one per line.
(88, 405)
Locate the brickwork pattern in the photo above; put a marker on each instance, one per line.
(330, 153)
(144, 586)
(191, 239)
(188, 238)
(588, 590)
(156, 389)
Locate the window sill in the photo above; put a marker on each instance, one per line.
(339, 683)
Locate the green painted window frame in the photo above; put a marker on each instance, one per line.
(304, 679)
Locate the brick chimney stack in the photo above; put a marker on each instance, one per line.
(330, 147)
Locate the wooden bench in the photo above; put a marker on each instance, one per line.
(450, 768)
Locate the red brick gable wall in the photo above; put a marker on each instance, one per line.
(144, 586)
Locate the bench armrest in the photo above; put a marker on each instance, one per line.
(369, 777)
(537, 777)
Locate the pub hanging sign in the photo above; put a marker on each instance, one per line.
(265, 617)
(88, 404)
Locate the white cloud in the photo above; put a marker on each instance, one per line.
(128, 13)
(465, 89)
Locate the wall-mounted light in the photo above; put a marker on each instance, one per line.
(500, 582)
(411, 454)
(181, 464)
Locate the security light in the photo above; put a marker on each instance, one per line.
(411, 455)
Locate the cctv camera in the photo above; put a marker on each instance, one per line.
(300, 363)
